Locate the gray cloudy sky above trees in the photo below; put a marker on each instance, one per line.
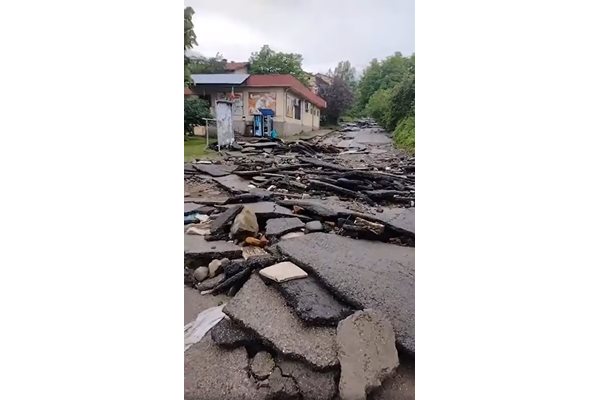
(324, 32)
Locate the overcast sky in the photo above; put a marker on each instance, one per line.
(323, 31)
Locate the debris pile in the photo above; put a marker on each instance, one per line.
(314, 254)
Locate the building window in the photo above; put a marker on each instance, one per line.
(297, 109)
(306, 103)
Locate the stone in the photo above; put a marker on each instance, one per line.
(283, 271)
(280, 226)
(262, 309)
(197, 249)
(228, 334)
(245, 224)
(253, 251)
(314, 226)
(367, 354)
(362, 274)
(262, 365)
(210, 283)
(292, 235)
(282, 387)
(218, 225)
(252, 241)
(215, 169)
(212, 372)
(214, 268)
(399, 386)
(312, 303)
(313, 385)
(200, 273)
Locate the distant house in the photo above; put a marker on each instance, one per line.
(237, 67)
(296, 107)
(316, 81)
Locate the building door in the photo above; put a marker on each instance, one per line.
(225, 135)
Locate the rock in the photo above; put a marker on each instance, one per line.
(400, 386)
(200, 273)
(219, 224)
(367, 354)
(197, 249)
(214, 268)
(230, 335)
(363, 274)
(261, 365)
(245, 224)
(282, 387)
(252, 241)
(314, 226)
(314, 304)
(211, 372)
(292, 235)
(210, 283)
(262, 309)
(253, 251)
(280, 226)
(283, 271)
(313, 385)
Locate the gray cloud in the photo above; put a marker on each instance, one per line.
(323, 31)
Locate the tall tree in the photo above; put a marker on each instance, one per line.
(210, 65)
(269, 61)
(339, 98)
(346, 72)
(189, 40)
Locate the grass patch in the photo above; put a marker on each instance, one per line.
(404, 134)
(194, 147)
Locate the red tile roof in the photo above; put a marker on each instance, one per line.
(234, 66)
(287, 81)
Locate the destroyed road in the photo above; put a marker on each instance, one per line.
(293, 252)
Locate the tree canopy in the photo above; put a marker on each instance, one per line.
(194, 110)
(346, 72)
(339, 98)
(269, 61)
(207, 65)
(189, 40)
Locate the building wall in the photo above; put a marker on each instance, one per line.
(284, 124)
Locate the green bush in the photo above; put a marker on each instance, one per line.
(194, 112)
(404, 134)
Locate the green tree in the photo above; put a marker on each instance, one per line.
(339, 98)
(194, 110)
(346, 72)
(189, 40)
(269, 61)
(210, 65)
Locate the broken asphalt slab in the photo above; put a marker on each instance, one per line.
(234, 183)
(263, 310)
(218, 225)
(313, 304)
(399, 386)
(200, 250)
(313, 385)
(228, 334)
(365, 344)
(214, 373)
(280, 226)
(364, 274)
(215, 170)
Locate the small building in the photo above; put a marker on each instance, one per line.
(316, 81)
(296, 108)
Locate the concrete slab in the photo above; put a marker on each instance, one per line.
(200, 250)
(234, 183)
(313, 304)
(212, 373)
(280, 226)
(262, 309)
(365, 343)
(283, 272)
(215, 169)
(364, 274)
